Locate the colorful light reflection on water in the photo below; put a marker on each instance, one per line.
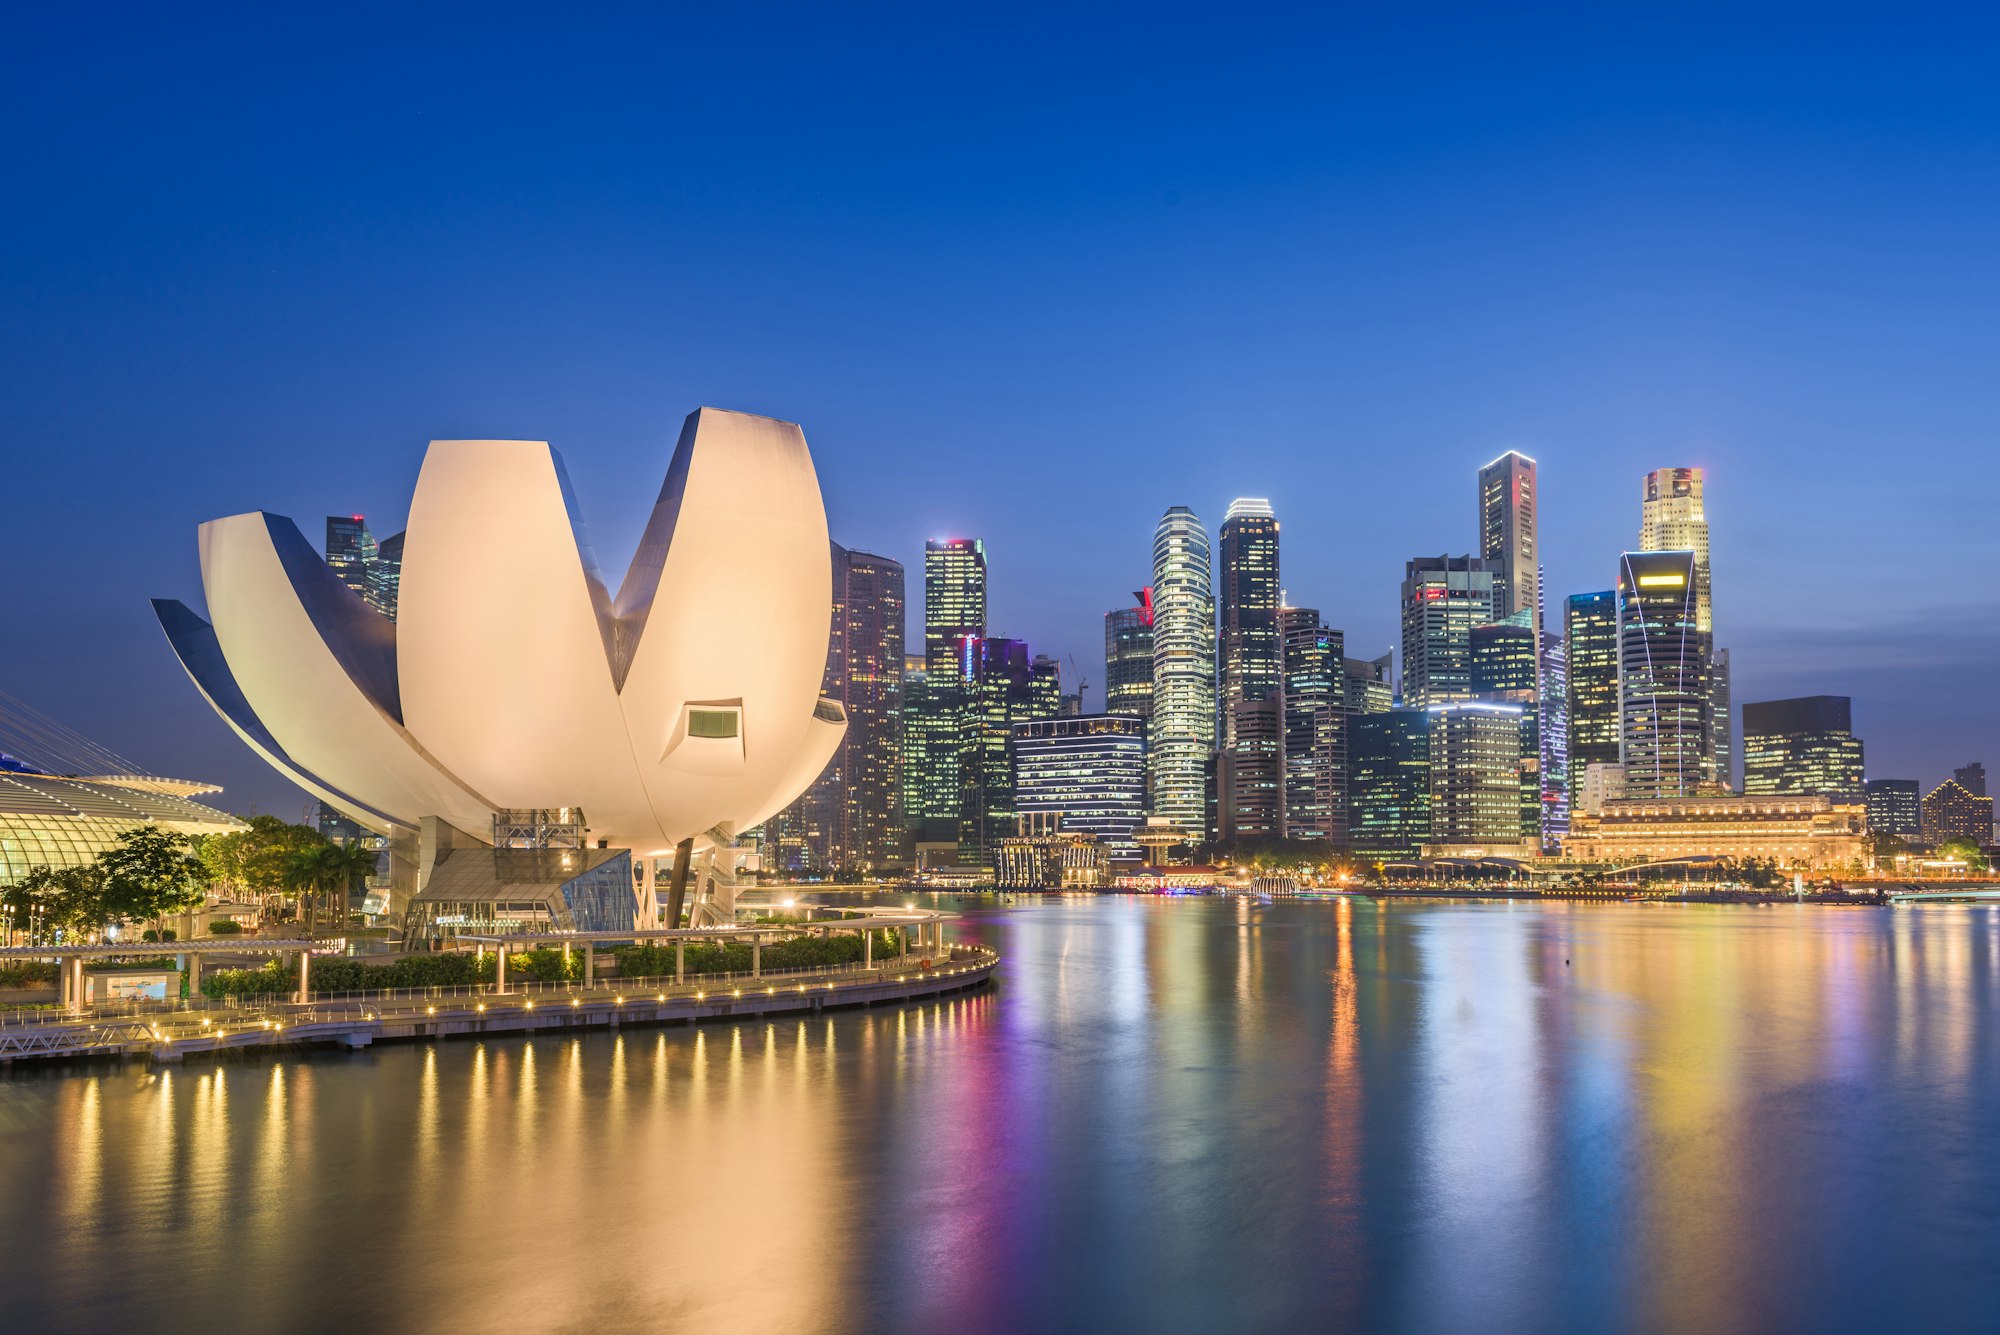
(1186, 1114)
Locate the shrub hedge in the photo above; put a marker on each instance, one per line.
(225, 927)
(29, 973)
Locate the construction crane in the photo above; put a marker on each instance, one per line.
(1081, 684)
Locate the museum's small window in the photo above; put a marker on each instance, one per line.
(711, 723)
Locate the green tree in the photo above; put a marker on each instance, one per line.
(56, 903)
(1966, 851)
(151, 874)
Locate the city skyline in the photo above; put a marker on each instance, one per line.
(1175, 318)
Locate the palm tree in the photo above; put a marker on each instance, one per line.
(326, 869)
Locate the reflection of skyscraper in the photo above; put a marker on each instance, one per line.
(1507, 534)
(1128, 659)
(1247, 600)
(1802, 748)
(1663, 661)
(1444, 597)
(1313, 694)
(1182, 734)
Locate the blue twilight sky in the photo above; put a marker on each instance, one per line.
(1032, 275)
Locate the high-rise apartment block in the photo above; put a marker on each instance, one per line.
(1663, 686)
(1182, 731)
(1443, 598)
(1802, 748)
(1507, 535)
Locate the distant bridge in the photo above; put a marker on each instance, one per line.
(1961, 894)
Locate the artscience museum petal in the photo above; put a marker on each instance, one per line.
(672, 715)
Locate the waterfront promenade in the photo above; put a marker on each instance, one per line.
(171, 1031)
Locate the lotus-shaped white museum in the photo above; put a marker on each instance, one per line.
(687, 706)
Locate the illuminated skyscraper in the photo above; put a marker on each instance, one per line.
(1507, 534)
(1249, 775)
(1128, 659)
(1444, 597)
(1182, 735)
(1369, 688)
(385, 577)
(1001, 685)
(954, 597)
(1477, 794)
(852, 816)
(1663, 662)
(1673, 516)
(1389, 784)
(1894, 807)
(1552, 706)
(1312, 692)
(1802, 748)
(1089, 771)
(1247, 607)
(1590, 628)
(1952, 811)
(350, 551)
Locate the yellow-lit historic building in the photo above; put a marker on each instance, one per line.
(1810, 833)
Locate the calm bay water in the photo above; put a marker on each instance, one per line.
(1196, 1115)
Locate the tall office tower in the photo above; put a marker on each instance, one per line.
(385, 577)
(350, 550)
(1182, 735)
(1590, 629)
(1369, 689)
(1247, 598)
(1663, 688)
(851, 817)
(954, 612)
(1475, 777)
(954, 598)
(1507, 669)
(1507, 535)
(1972, 778)
(1090, 772)
(1128, 659)
(1313, 695)
(1503, 660)
(1250, 774)
(1894, 807)
(1389, 785)
(1953, 811)
(1001, 686)
(1721, 735)
(1673, 517)
(1045, 692)
(916, 771)
(1802, 748)
(1444, 597)
(1552, 721)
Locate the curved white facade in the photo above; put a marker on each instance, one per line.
(686, 707)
